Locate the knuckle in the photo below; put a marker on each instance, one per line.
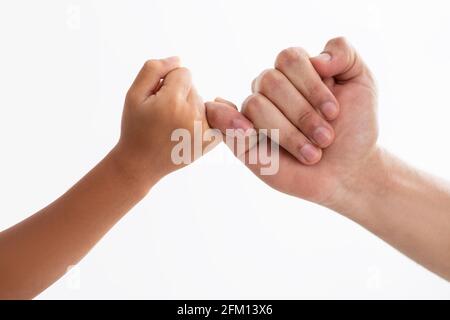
(339, 42)
(269, 80)
(131, 97)
(294, 141)
(152, 65)
(252, 104)
(182, 73)
(305, 118)
(289, 56)
(316, 91)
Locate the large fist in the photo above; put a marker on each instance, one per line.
(324, 108)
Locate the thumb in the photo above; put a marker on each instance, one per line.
(339, 60)
(178, 82)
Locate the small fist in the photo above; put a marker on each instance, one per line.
(161, 100)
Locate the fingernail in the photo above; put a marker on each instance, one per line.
(330, 110)
(309, 153)
(238, 124)
(322, 136)
(323, 56)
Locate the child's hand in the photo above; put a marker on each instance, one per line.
(161, 100)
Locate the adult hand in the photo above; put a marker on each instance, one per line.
(405, 207)
(287, 98)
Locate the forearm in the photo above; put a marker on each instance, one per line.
(38, 251)
(405, 207)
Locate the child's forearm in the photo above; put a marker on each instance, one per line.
(38, 251)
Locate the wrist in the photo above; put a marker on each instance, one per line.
(369, 184)
(135, 171)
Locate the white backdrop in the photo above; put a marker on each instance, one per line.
(213, 230)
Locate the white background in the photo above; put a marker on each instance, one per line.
(213, 230)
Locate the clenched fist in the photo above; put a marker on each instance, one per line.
(161, 100)
(325, 110)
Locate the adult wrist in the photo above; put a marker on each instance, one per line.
(366, 187)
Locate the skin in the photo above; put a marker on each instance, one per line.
(300, 96)
(407, 208)
(38, 251)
